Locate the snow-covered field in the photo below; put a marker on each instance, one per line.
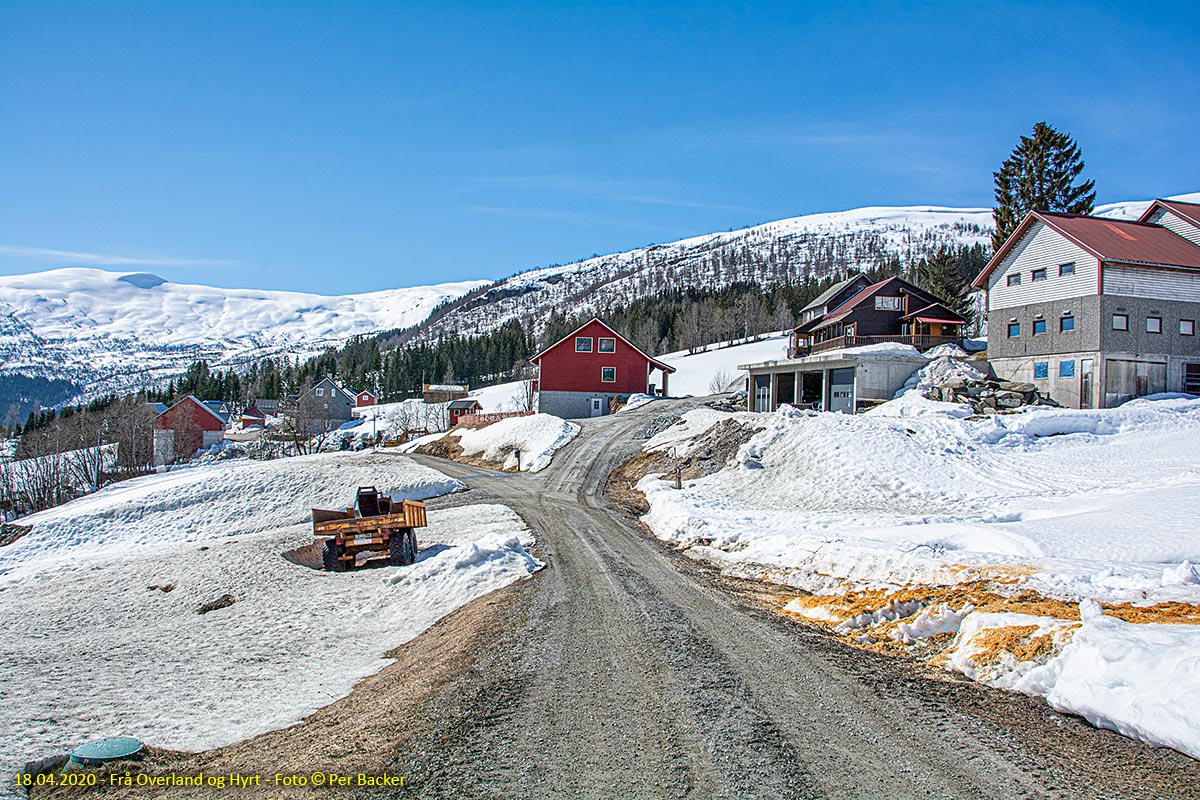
(696, 372)
(1078, 506)
(95, 645)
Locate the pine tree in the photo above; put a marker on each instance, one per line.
(1040, 175)
(941, 274)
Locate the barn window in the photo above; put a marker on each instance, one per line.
(1120, 322)
(1187, 327)
(1153, 324)
(320, 392)
(607, 344)
(1038, 274)
(1066, 269)
(608, 374)
(1039, 327)
(888, 304)
(1066, 324)
(1014, 330)
(583, 344)
(1014, 279)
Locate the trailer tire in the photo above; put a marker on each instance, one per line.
(329, 557)
(398, 549)
(411, 546)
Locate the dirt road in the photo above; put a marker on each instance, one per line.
(625, 670)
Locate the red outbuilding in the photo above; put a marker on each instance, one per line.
(188, 426)
(365, 398)
(581, 374)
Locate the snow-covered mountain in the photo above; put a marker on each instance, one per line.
(111, 331)
(814, 245)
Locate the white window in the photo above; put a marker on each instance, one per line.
(1187, 327)
(608, 374)
(1153, 324)
(888, 303)
(320, 391)
(583, 344)
(607, 344)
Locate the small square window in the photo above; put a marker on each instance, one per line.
(1014, 279)
(1153, 324)
(1041, 369)
(1066, 369)
(1038, 274)
(583, 344)
(1039, 327)
(1187, 327)
(1066, 269)
(1120, 322)
(1014, 330)
(607, 344)
(608, 374)
(1066, 324)
(320, 391)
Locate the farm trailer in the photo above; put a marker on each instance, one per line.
(376, 524)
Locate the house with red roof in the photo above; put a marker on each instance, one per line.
(188, 426)
(581, 374)
(854, 346)
(1096, 311)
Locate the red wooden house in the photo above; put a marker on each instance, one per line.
(365, 398)
(461, 408)
(186, 427)
(580, 375)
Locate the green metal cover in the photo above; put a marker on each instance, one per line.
(102, 750)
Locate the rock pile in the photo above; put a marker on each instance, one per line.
(955, 381)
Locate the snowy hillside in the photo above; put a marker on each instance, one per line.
(814, 245)
(985, 542)
(115, 331)
(143, 557)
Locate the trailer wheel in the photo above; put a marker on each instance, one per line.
(411, 546)
(329, 557)
(397, 549)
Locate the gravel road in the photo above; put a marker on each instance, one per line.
(626, 670)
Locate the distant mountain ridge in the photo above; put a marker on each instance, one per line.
(107, 331)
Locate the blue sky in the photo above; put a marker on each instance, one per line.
(346, 147)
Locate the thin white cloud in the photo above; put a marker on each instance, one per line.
(111, 259)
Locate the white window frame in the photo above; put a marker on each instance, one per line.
(614, 374)
(320, 391)
(600, 344)
(580, 340)
(886, 302)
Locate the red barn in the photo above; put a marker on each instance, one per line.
(186, 427)
(365, 398)
(579, 375)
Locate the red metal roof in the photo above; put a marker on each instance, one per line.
(1107, 239)
(1189, 211)
(848, 306)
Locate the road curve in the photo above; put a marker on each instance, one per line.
(625, 670)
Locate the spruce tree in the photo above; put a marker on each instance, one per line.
(1040, 175)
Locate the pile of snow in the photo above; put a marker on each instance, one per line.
(103, 635)
(537, 437)
(637, 401)
(1139, 680)
(696, 373)
(1075, 505)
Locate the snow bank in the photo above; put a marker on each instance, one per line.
(103, 635)
(537, 437)
(1095, 505)
(1139, 679)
